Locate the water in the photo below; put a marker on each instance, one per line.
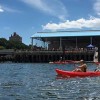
(27, 81)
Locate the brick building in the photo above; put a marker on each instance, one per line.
(15, 37)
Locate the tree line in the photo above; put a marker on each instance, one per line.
(9, 44)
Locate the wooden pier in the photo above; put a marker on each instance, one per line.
(45, 56)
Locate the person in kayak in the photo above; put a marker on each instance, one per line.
(82, 67)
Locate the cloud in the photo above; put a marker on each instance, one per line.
(7, 9)
(1, 9)
(91, 23)
(10, 10)
(51, 7)
(96, 7)
(6, 28)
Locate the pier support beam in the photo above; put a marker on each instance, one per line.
(60, 47)
(76, 42)
(99, 53)
(32, 43)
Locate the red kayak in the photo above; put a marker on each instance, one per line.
(63, 62)
(59, 62)
(64, 73)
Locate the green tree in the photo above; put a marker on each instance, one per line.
(12, 44)
(3, 42)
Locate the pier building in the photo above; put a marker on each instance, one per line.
(69, 41)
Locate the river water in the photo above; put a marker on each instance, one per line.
(29, 81)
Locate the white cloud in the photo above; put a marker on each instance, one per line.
(92, 23)
(96, 7)
(51, 7)
(7, 9)
(1, 9)
(10, 10)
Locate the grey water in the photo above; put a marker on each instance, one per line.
(33, 81)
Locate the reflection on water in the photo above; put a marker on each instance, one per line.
(27, 81)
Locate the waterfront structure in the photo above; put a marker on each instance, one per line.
(67, 40)
(71, 41)
(15, 37)
(51, 46)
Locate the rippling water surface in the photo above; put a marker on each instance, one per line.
(27, 81)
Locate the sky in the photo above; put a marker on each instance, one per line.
(26, 17)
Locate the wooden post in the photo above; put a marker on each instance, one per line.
(60, 44)
(32, 43)
(99, 53)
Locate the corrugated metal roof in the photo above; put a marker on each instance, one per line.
(67, 33)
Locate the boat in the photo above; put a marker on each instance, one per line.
(65, 73)
(63, 62)
(60, 62)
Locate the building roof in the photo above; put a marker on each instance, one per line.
(66, 33)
